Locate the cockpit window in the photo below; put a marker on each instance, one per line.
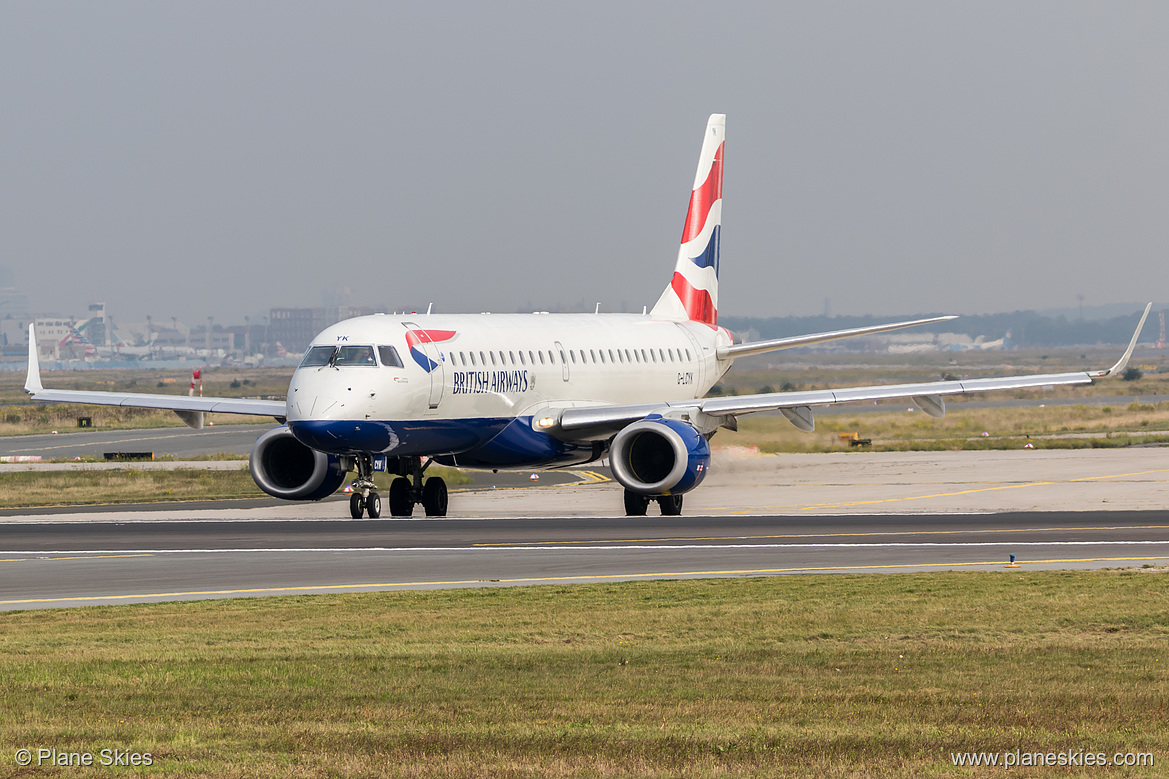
(389, 357)
(354, 355)
(317, 356)
(338, 356)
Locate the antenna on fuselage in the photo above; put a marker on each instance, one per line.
(598, 308)
(428, 309)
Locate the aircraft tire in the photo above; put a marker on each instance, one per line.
(434, 497)
(401, 502)
(671, 505)
(356, 505)
(635, 504)
(373, 505)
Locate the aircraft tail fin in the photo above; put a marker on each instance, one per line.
(693, 291)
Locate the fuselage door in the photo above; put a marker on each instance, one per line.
(563, 356)
(426, 353)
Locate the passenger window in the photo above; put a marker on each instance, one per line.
(389, 357)
(511, 357)
(522, 360)
(541, 358)
(473, 359)
(688, 357)
(492, 354)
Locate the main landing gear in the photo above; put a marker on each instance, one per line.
(406, 491)
(409, 489)
(637, 504)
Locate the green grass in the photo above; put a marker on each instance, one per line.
(26, 489)
(788, 676)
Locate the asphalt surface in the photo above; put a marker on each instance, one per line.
(76, 564)
(178, 442)
(755, 515)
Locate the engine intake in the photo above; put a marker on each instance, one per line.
(659, 457)
(285, 468)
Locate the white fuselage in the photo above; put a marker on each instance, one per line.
(454, 382)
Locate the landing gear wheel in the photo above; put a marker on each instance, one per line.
(434, 497)
(401, 501)
(635, 504)
(671, 505)
(373, 505)
(356, 505)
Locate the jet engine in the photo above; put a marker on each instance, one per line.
(285, 468)
(659, 457)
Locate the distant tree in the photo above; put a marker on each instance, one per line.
(787, 387)
(1132, 374)
(766, 389)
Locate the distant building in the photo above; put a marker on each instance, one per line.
(52, 332)
(295, 328)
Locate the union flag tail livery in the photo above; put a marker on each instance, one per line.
(693, 291)
(532, 390)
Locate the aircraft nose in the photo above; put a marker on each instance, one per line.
(315, 406)
(321, 406)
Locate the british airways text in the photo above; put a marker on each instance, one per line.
(483, 382)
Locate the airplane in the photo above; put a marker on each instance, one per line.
(77, 341)
(399, 392)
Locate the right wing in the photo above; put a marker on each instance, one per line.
(189, 409)
(597, 421)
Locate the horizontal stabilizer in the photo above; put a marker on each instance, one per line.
(761, 347)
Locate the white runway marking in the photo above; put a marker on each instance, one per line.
(568, 548)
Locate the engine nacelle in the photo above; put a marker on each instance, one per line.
(285, 468)
(659, 457)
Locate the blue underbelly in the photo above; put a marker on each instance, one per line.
(485, 442)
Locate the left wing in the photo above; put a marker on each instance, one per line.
(796, 406)
(189, 409)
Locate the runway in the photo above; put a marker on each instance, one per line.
(757, 515)
(73, 564)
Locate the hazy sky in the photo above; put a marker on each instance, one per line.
(215, 158)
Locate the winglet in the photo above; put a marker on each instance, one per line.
(1123, 361)
(32, 384)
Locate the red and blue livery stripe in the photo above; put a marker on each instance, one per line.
(415, 339)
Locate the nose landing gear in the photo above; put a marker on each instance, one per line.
(406, 491)
(364, 499)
